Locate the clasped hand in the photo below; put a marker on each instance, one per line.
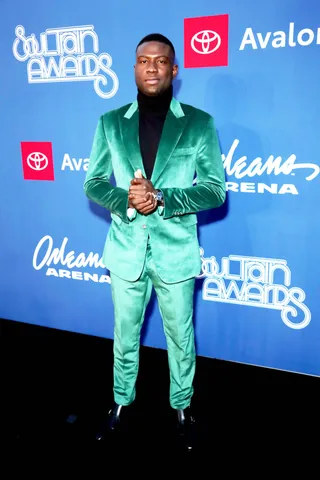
(140, 196)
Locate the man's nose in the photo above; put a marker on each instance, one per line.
(152, 67)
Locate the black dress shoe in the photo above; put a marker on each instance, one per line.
(111, 424)
(186, 429)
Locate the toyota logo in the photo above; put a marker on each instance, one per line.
(205, 42)
(37, 161)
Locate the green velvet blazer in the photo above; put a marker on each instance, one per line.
(189, 171)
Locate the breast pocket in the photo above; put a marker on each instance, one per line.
(183, 151)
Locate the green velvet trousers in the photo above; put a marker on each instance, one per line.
(175, 302)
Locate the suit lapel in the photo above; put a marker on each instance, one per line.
(173, 128)
(129, 128)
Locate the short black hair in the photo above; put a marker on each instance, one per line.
(157, 37)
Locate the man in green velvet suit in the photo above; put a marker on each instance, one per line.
(155, 147)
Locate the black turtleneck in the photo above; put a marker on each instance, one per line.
(152, 114)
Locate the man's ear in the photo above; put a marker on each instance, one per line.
(175, 69)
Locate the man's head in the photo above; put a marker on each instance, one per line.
(155, 68)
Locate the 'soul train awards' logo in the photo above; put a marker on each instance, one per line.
(60, 56)
(255, 282)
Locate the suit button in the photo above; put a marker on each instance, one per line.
(143, 226)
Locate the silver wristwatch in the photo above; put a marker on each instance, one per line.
(158, 197)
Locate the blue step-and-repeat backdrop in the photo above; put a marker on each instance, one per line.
(255, 67)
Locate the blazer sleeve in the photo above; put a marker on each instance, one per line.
(97, 184)
(210, 190)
